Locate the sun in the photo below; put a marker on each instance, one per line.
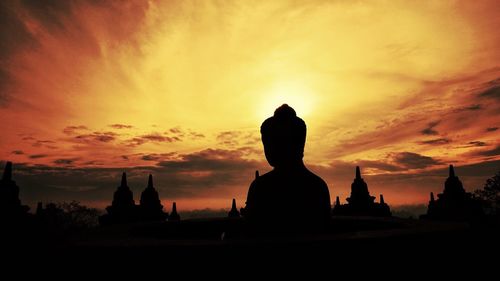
(294, 93)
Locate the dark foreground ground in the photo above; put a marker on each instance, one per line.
(378, 242)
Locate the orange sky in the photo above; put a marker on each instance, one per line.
(180, 88)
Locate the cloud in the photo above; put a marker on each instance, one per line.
(232, 139)
(430, 129)
(65, 161)
(449, 109)
(121, 126)
(208, 160)
(63, 37)
(477, 143)
(37, 156)
(490, 152)
(77, 134)
(491, 129)
(17, 152)
(492, 93)
(176, 134)
(96, 137)
(412, 160)
(49, 13)
(195, 176)
(65, 183)
(4, 79)
(210, 172)
(414, 187)
(378, 165)
(71, 130)
(393, 162)
(14, 37)
(38, 143)
(438, 141)
(157, 156)
(31, 27)
(150, 157)
(176, 130)
(474, 107)
(228, 138)
(44, 143)
(195, 135)
(485, 169)
(182, 133)
(154, 137)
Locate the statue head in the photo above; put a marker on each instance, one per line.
(284, 137)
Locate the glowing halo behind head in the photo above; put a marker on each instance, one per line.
(296, 94)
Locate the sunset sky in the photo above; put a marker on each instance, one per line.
(179, 89)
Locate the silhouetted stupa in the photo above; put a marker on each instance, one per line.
(454, 203)
(10, 204)
(361, 203)
(337, 202)
(234, 211)
(123, 208)
(174, 216)
(151, 207)
(360, 196)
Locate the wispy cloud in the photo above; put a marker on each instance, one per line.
(438, 141)
(121, 126)
(430, 129)
(36, 156)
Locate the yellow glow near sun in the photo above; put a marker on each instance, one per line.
(294, 93)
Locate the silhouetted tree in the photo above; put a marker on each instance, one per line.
(490, 194)
(80, 216)
(68, 215)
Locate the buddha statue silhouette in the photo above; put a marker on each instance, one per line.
(290, 196)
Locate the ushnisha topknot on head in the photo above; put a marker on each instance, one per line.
(284, 120)
(283, 136)
(284, 111)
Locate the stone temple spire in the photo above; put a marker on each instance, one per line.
(256, 174)
(453, 186)
(7, 173)
(454, 203)
(124, 180)
(150, 181)
(359, 191)
(150, 204)
(9, 195)
(234, 211)
(361, 203)
(431, 208)
(174, 216)
(123, 196)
